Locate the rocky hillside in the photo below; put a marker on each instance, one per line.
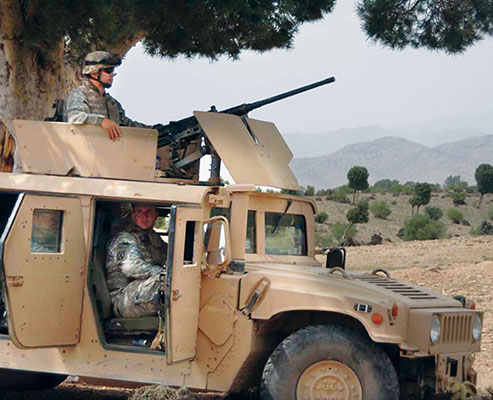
(397, 158)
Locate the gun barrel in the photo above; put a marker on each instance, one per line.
(167, 132)
(246, 108)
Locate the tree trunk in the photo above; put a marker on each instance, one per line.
(29, 84)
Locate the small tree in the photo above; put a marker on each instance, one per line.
(384, 185)
(358, 214)
(484, 179)
(358, 180)
(454, 183)
(310, 191)
(422, 195)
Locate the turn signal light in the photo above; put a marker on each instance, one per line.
(395, 310)
(377, 318)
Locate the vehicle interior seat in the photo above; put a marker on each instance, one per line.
(97, 278)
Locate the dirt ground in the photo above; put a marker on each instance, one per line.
(458, 265)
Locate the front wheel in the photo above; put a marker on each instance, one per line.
(328, 362)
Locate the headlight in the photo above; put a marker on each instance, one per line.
(435, 331)
(477, 326)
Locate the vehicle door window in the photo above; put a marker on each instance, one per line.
(47, 231)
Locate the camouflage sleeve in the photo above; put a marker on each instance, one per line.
(78, 111)
(125, 121)
(125, 251)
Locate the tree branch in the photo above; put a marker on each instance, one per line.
(11, 20)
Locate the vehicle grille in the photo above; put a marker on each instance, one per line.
(403, 289)
(456, 328)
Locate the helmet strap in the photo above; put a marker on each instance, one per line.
(98, 79)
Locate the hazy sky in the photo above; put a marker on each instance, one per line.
(398, 90)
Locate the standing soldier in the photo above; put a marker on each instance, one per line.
(135, 260)
(91, 104)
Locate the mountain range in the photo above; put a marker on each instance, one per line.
(395, 158)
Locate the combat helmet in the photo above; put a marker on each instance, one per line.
(97, 60)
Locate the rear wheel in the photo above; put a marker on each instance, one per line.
(328, 362)
(11, 379)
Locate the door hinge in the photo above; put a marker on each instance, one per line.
(15, 280)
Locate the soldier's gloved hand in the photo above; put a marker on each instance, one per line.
(112, 128)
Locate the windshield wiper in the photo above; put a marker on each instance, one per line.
(274, 229)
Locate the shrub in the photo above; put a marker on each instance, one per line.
(340, 196)
(459, 198)
(421, 227)
(435, 213)
(321, 217)
(484, 228)
(358, 214)
(379, 209)
(338, 230)
(455, 215)
(490, 214)
(323, 240)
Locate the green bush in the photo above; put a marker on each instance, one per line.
(421, 227)
(455, 215)
(490, 214)
(310, 191)
(379, 209)
(358, 214)
(340, 196)
(323, 240)
(484, 228)
(459, 198)
(321, 217)
(338, 230)
(435, 213)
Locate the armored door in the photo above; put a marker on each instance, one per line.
(43, 257)
(183, 282)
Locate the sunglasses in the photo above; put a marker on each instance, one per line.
(109, 70)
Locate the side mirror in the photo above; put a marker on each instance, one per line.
(217, 248)
(336, 258)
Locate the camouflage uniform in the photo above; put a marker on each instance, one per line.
(134, 262)
(85, 105)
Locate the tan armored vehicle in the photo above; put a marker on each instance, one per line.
(245, 304)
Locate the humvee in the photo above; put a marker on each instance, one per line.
(244, 302)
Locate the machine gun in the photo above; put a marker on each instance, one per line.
(188, 128)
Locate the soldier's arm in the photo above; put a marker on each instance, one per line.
(131, 261)
(78, 111)
(125, 121)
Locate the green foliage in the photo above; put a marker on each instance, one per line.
(379, 209)
(292, 192)
(435, 213)
(384, 185)
(323, 192)
(455, 215)
(452, 26)
(338, 230)
(459, 198)
(422, 195)
(340, 196)
(421, 227)
(358, 178)
(484, 228)
(454, 183)
(490, 214)
(323, 240)
(358, 214)
(169, 28)
(321, 217)
(484, 178)
(310, 191)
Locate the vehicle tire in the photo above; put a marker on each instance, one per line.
(328, 362)
(12, 379)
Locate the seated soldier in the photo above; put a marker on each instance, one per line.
(136, 257)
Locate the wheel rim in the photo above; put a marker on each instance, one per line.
(328, 380)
